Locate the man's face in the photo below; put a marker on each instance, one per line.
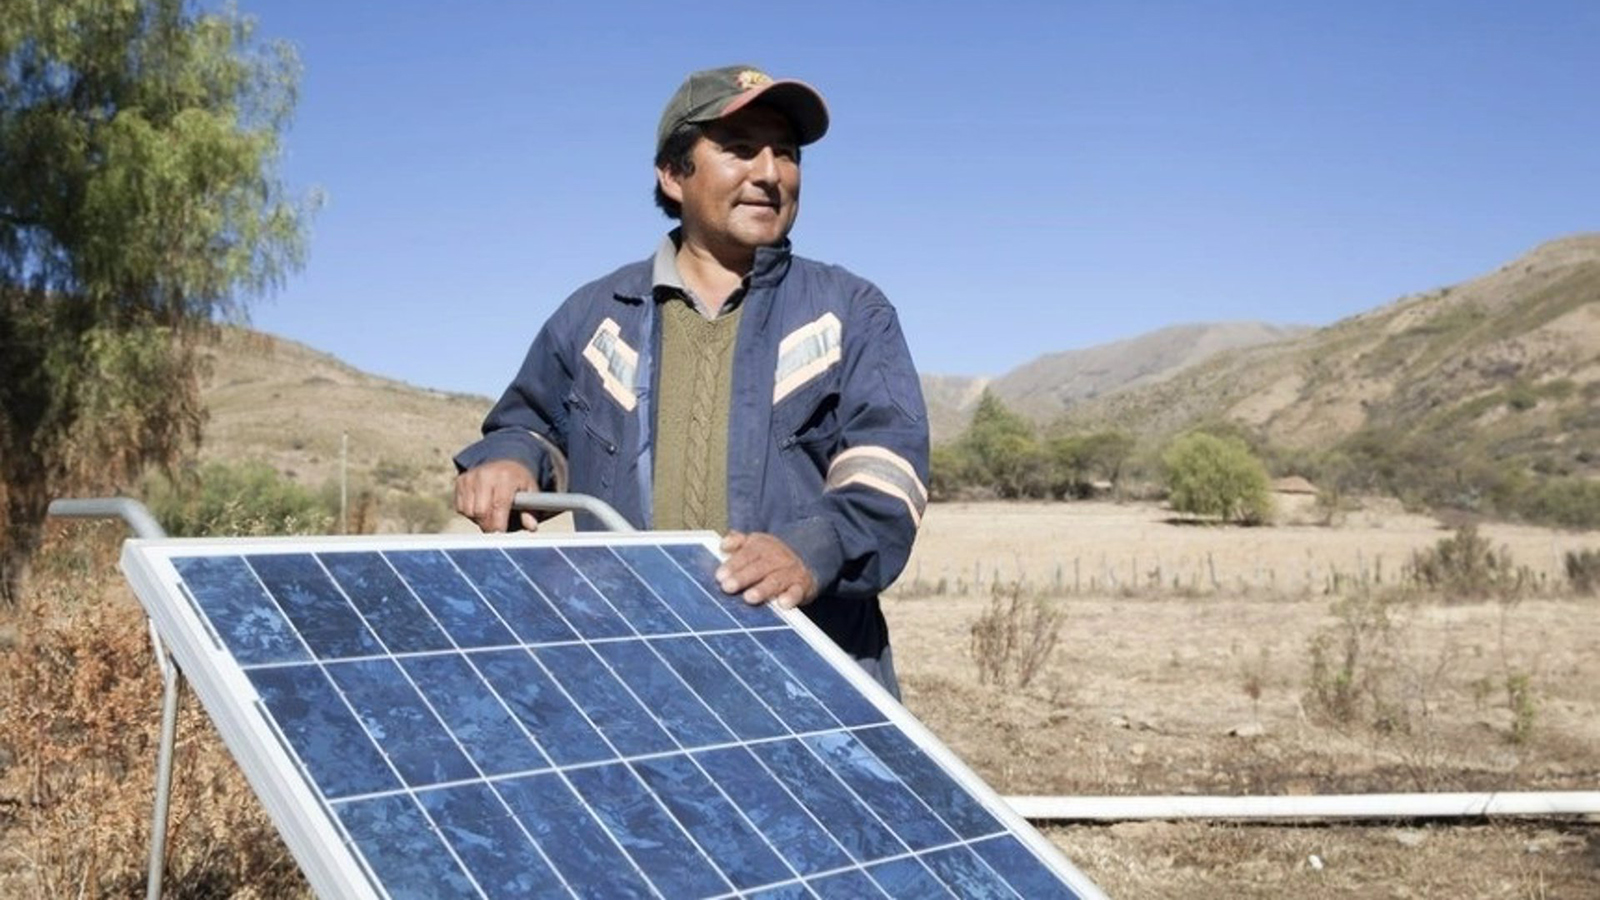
(744, 192)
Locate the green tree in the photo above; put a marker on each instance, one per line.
(1005, 454)
(951, 470)
(1214, 476)
(139, 205)
(1077, 460)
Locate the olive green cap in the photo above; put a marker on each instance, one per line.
(710, 94)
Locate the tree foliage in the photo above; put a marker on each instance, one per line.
(1001, 454)
(1217, 476)
(139, 204)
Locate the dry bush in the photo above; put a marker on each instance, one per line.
(1366, 669)
(1465, 566)
(1013, 639)
(79, 725)
(1583, 571)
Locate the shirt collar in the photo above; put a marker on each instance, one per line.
(666, 281)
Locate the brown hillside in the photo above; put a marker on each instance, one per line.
(1049, 386)
(1509, 363)
(288, 405)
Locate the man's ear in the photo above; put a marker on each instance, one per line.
(671, 183)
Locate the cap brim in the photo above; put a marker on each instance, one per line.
(795, 99)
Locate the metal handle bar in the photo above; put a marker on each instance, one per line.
(554, 501)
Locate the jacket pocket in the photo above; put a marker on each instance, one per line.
(807, 431)
(591, 446)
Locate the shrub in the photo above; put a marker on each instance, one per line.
(1354, 661)
(248, 498)
(1015, 636)
(1583, 571)
(1213, 476)
(1465, 566)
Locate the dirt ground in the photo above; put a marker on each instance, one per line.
(1199, 681)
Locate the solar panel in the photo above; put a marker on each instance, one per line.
(585, 716)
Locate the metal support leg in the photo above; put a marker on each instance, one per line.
(145, 525)
(171, 693)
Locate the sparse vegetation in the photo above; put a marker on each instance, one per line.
(1583, 571)
(224, 500)
(1465, 566)
(79, 714)
(1356, 665)
(419, 514)
(1015, 637)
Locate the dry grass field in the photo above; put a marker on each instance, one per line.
(1203, 687)
(1184, 665)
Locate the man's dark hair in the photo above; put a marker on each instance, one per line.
(677, 156)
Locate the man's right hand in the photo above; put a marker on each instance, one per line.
(484, 494)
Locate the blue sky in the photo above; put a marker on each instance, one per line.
(1019, 178)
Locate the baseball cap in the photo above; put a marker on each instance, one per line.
(710, 94)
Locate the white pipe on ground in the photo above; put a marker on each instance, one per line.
(1327, 806)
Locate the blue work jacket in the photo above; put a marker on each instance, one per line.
(828, 432)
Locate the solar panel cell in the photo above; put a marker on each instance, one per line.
(800, 839)
(324, 733)
(458, 608)
(559, 727)
(522, 607)
(490, 843)
(678, 709)
(692, 605)
(948, 800)
(852, 824)
(846, 886)
(661, 849)
(843, 700)
(579, 847)
(784, 694)
(604, 701)
(862, 772)
(616, 583)
(738, 851)
(586, 611)
(403, 726)
(702, 566)
(385, 602)
(325, 621)
(249, 624)
(403, 850)
(475, 715)
(907, 879)
(1022, 869)
(967, 875)
(719, 687)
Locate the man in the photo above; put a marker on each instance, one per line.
(727, 384)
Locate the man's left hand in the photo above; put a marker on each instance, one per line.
(762, 568)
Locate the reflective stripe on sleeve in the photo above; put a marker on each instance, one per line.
(882, 470)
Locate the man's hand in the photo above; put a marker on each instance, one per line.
(484, 493)
(763, 568)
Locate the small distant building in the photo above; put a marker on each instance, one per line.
(1295, 498)
(1294, 485)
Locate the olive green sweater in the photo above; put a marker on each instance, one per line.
(692, 400)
